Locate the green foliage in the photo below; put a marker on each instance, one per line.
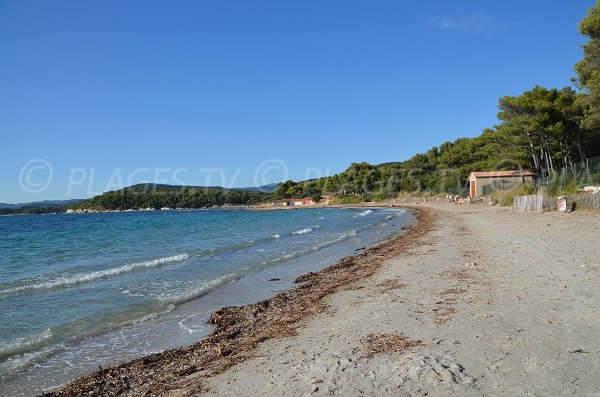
(545, 124)
(526, 189)
(557, 189)
(588, 69)
(159, 196)
(33, 210)
(345, 199)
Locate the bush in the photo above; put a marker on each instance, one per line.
(344, 199)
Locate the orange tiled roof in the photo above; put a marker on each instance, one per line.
(500, 174)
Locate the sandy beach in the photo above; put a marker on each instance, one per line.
(474, 300)
(502, 303)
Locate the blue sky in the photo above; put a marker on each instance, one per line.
(101, 94)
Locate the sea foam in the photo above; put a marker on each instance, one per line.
(302, 231)
(25, 344)
(364, 213)
(88, 277)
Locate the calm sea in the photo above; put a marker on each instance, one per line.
(78, 291)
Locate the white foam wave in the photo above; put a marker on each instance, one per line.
(364, 213)
(24, 344)
(88, 277)
(351, 233)
(196, 290)
(151, 316)
(302, 231)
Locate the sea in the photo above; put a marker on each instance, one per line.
(80, 291)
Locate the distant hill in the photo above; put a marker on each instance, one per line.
(270, 188)
(40, 204)
(150, 195)
(157, 196)
(153, 186)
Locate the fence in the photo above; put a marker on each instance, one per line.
(533, 202)
(587, 200)
(537, 202)
(461, 191)
(586, 173)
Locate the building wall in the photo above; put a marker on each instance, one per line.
(508, 183)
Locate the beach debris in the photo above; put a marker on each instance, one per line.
(391, 284)
(377, 343)
(453, 291)
(459, 276)
(306, 277)
(443, 315)
(578, 351)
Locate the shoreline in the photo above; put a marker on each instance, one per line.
(238, 329)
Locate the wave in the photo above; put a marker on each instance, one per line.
(313, 248)
(199, 289)
(364, 213)
(149, 316)
(302, 231)
(25, 344)
(93, 276)
(227, 248)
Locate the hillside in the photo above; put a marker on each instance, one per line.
(155, 196)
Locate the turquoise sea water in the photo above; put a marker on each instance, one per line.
(78, 291)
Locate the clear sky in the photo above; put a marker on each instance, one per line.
(98, 94)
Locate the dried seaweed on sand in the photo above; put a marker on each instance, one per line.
(443, 315)
(388, 343)
(453, 291)
(391, 284)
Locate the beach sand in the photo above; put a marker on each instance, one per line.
(503, 304)
(475, 300)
